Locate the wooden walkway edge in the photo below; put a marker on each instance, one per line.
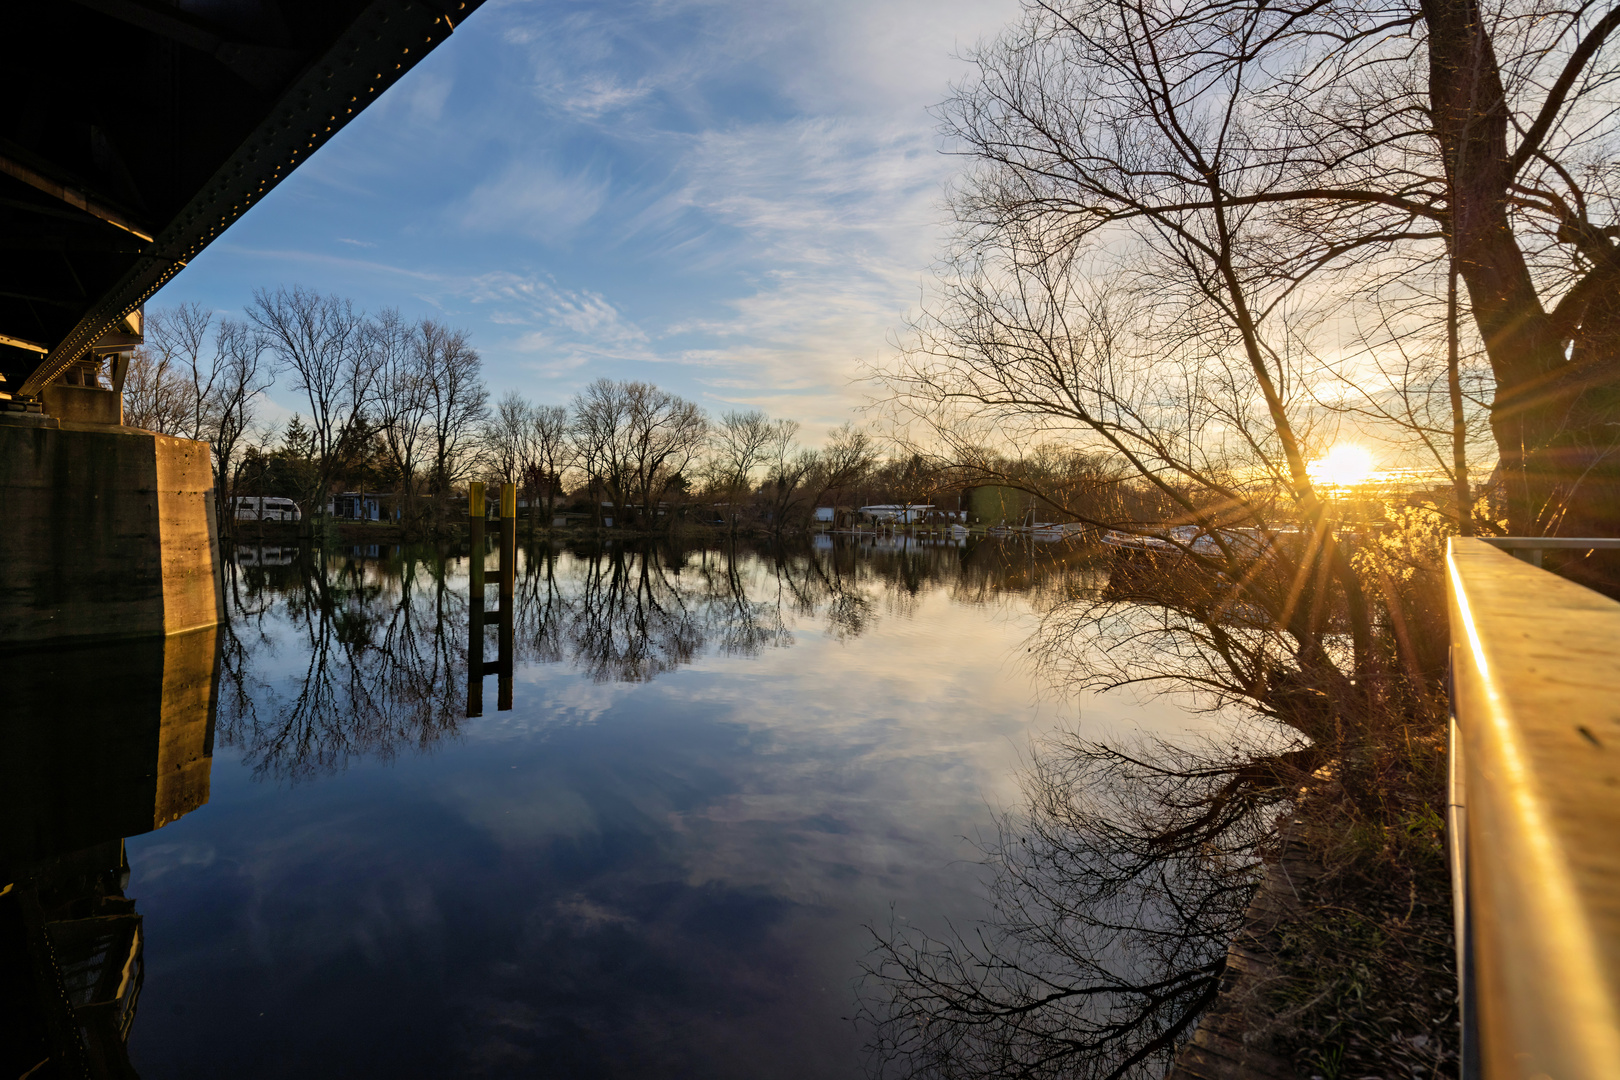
(1230, 1042)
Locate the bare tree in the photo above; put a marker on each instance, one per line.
(788, 468)
(1116, 288)
(458, 402)
(1333, 142)
(505, 437)
(632, 439)
(154, 396)
(201, 380)
(846, 459)
(600, 437)
(238, 378)
(174, 386)
(401, 399)
(665, 436)
(737, 451)
(321, 341)
(553, 452)
(180, 337)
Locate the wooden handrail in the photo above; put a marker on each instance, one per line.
(1529, 548)
(1536, 793)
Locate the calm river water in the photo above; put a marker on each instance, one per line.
(718, 770)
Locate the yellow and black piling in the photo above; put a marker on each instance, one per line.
(507, 580)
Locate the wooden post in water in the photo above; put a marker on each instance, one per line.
(475, 599)
(508, 591)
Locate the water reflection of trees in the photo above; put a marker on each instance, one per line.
(1114, 890)
(377, 652)
(328, 657)
(1118, 885)
(1114, 893)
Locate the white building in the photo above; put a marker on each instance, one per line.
(899, 514)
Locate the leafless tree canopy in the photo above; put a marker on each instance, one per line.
(509, 437)
(452, 379)
(1244, 177)
(322, 345)
(633, 440)
(738, 451)
(199, 377)
(391, 403)
(402, 397)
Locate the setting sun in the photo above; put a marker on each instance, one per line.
(1343, 466)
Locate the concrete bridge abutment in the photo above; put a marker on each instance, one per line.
(106, 532)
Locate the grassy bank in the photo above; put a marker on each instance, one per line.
(1366, 976)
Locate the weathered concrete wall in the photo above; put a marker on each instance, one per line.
(104, 533)
(193, 591)
(85, 404)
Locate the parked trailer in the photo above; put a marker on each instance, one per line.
(266, 508)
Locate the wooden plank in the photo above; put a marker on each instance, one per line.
(1536, 663)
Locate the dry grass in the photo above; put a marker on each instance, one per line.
(1368, 974)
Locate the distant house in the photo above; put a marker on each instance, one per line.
(355, 506)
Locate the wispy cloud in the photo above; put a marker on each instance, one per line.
(738, 200)
(557, 330)
(535, 199)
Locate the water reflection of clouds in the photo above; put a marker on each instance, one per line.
(647, 877)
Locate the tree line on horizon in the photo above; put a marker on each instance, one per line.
(390, 405)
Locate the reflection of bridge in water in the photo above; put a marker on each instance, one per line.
(132, 134)
(97, 743)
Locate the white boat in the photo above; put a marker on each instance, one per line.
(1193, 540)
(1062, 531)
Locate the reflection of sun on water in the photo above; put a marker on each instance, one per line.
(1343, 466)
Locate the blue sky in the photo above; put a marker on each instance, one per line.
(734, 200)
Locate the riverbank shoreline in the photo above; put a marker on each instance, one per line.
(377, 532)
(1344, 965)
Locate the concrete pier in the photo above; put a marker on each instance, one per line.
(105, 532)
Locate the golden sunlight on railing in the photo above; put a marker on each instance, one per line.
(1535, 817)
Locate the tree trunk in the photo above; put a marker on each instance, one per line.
(1553, 414)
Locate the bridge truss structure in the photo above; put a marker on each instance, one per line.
(134, 132)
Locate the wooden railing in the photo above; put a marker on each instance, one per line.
(1535, 815)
